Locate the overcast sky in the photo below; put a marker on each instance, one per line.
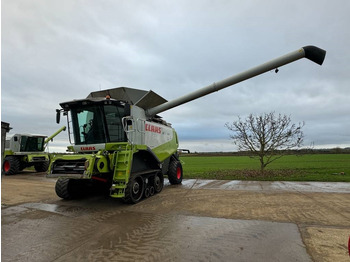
(54, 51)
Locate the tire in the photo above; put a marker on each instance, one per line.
(175, 173)
(134, 190)
(42, 167)
(64, 188)
(11, 165)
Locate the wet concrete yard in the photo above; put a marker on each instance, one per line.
(197, 221)
(50, 232)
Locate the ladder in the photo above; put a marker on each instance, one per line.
(122, 161)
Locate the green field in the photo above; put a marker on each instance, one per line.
(310, 167)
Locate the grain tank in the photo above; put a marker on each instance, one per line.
(122, 143)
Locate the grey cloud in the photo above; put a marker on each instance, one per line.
(54, 51)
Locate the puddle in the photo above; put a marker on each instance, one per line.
(70, 211)
(321, 187)
(13, 210)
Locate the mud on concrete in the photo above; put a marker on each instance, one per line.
(197, 221)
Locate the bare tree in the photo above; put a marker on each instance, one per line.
(266, 136)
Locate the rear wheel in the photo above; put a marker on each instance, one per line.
(175, 172)
(11, 165)
(41, 167)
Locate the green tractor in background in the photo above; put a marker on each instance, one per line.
(121, 141)
(26, 150)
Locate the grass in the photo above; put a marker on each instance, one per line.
(310, 167)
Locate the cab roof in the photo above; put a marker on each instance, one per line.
(137, 97)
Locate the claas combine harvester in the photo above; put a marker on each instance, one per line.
(122, 143)
(27, 150)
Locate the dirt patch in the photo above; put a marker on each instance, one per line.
(327, 244)
(26, 187)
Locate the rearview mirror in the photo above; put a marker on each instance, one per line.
(58, 116)
(127, 109)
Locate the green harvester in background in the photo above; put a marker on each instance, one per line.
(26, 150)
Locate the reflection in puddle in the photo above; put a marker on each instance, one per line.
(71, 211)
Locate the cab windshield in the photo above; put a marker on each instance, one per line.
(32, 144)
(94, 124)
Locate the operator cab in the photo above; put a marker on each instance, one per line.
(97, 120)
(26, 143)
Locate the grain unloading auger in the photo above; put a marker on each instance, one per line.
(121, 143)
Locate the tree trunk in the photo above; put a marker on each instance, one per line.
(262, 165)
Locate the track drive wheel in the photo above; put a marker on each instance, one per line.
(11, 165)
(42, 167)
(158, 182)
(175, 172)
(134, 190)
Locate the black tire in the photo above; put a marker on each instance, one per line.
(64, 188)
(158, 182)
(134, 190)
(175, 173)
(68, 188)
(42, 167)
(11, 165)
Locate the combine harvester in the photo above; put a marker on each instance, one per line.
(120, 141)
(26, 150)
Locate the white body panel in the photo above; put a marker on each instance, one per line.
(143, 132)
(157, 134)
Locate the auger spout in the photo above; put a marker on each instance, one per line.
(312, 53)
(47, 140)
